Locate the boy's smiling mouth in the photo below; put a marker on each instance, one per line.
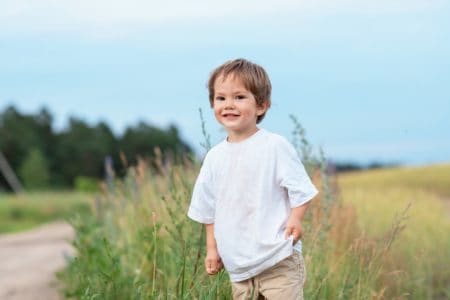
(226, 115)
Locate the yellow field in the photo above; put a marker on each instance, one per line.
(421, 254)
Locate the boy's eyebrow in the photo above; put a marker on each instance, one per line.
(240, 92)
(235, 92)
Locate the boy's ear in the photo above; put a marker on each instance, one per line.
(262, 108)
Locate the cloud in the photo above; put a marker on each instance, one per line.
(87, 16)
(134, 12)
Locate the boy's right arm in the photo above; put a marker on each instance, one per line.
(213, 262)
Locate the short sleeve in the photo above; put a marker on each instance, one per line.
(292, 176)
(202, 207)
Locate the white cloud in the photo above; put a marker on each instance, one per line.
(88, 16)
(128, 12)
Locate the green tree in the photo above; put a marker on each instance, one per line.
(20, 132)
(142, 139)
(34, 170)
(81, 149)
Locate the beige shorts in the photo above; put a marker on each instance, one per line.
(283, 281)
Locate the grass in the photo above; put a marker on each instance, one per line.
(25, 211)
(419, 261)
(139, 244)
(434, 179)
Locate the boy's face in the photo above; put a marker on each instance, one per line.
(235, 108)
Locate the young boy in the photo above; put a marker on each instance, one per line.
(252, 191)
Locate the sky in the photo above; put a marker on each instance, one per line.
(368, 80)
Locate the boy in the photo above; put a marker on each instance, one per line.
(252, 191)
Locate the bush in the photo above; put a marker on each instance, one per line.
(34, 170)
(86, 184)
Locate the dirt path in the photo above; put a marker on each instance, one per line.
(29, 260)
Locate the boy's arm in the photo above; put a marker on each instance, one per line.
(213, 262)
(294, 222)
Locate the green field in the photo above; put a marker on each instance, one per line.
(25, 211)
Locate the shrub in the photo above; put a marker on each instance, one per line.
(34, 170)
(86, 184)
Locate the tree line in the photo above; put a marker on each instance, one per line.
(44, 158)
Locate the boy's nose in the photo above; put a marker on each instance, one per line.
(229, 103)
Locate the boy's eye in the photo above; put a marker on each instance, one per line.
(219, 98)
(240, 97)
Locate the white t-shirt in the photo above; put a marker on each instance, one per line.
(247, 189)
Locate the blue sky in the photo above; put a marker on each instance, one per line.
(369, 80)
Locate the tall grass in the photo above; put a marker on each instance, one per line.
(419, 262)
(139, 244)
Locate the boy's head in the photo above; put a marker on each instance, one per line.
(252, 76)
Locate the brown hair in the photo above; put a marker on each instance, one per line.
(253, 77)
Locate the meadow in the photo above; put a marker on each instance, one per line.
(376, 234)
(28, 210)
(418, 265)
(369, 235)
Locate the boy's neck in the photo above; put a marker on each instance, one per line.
(234, 137)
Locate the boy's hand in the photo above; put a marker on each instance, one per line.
(213, 262)
(294, 223)
(294, 228)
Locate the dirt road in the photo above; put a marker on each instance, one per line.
(29, 260)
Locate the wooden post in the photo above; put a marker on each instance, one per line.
(109, 172)
(9, 174)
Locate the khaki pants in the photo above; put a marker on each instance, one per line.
(283, 281)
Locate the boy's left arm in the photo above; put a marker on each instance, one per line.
(294, 222)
